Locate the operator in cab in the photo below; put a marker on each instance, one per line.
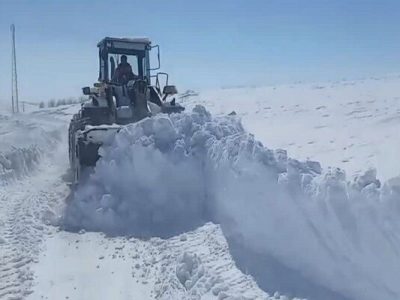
(123, 73)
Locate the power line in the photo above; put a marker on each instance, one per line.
(14, 76)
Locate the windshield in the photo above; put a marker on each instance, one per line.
(132, 60)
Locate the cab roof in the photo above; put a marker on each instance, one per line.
(139, 40)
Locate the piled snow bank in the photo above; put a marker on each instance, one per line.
(24, 140)
(189, 269)
(316, 120)
(168, 174)
(160, 178)
(18, 162)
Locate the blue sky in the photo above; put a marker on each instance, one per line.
(204, 44)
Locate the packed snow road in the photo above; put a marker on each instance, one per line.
(32, 192)
(189, 266)
(26, 210)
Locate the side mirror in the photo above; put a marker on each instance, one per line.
(86, 90)
(170, 90)
(158, 58)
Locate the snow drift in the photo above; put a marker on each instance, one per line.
(169, 174)
(18, 162)
(24, 140)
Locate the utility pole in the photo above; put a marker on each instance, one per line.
(14, 76)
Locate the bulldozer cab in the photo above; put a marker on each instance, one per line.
(113, 104)
(136, 50)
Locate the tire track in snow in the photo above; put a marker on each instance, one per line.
(26, 210)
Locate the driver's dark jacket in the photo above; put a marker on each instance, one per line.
(123, 73)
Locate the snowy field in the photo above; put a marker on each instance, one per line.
(193, 206)
(353, 125)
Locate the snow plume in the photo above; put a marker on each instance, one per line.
(168, 174)
(144, 180)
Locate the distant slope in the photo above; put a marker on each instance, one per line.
(3, 107)
(349, 124)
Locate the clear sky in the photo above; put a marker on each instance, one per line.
(204, 44)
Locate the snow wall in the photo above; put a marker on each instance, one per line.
(169, 174)
(23, 144)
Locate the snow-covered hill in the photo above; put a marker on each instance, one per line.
(144, 225)
(353, 125)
